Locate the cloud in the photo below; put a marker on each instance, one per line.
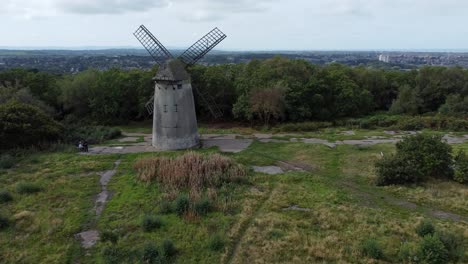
(108, 6)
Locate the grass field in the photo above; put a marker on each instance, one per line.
(340, 208)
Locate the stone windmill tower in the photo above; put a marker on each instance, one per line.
(172, 106)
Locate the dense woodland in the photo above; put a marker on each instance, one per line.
(261, 92)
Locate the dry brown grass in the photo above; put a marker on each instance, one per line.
(192, 171)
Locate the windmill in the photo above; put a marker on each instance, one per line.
(172, 105)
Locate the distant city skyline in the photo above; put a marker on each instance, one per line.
(251, 25)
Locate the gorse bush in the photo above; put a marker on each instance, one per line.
(453, 243)
(27, 188)
(149, 223)
(6, 161)
(417, 158)
(372, 249)
(432, 250)
(394, 169)
(190, 171)
(425, 228)
(5, 196)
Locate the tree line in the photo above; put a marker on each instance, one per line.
(261, 91)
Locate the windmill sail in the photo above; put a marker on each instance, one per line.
(202, 46)
(159, 53)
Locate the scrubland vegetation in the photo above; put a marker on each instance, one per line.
(348, 204)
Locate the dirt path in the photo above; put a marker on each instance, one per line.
(89, 238)
(232, 252)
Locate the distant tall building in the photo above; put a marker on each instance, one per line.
(384, 58)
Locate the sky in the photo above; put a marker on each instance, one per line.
(249, 24)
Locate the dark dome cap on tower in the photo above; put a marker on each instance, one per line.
(173, 71)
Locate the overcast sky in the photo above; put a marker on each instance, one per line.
(249, 24)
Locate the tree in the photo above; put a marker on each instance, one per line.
(407, 102)
(24, 125)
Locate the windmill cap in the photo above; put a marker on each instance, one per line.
(172, 70)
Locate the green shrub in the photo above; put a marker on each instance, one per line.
(394, 169)
(372, 249)
(4, 222)
(6, 161)
(168, 249)
(5, 196)
(27, 188)
(182, 205)
(461, 167)
(216, 242)
(111, 255)
(432, 250)
(109, 236)
(24, 125)
(165, 207)
(92, 134)
(406, 253)
(453, 244)
(417, 157)
(203, 206)
(425, 228)
(150, 254)
(149, 223)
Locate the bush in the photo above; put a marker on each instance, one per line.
(6, 161)
(150, 254)
(182, 205)
(425, 228)
(149, 223)
(24, 125)
(453, 244)
(417, 157)
(4, 222)
(27, 188)
(372, 249)
(216, 242)
(165, 207)
(92, 134)
(406, 253)
(432, 250)
(168, 249)
(111, 255)
(109, 236)
(203, 206)
(395, 169)
(461, 167)
(5, 196)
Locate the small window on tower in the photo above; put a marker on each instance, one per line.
(175, 107)
(179, 86)
(165, 108)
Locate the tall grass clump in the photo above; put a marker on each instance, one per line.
(5, 196)
(190, 171)
(27, 188)
(372, 249)
(6, 161)
(149, 223)
(4, 222)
